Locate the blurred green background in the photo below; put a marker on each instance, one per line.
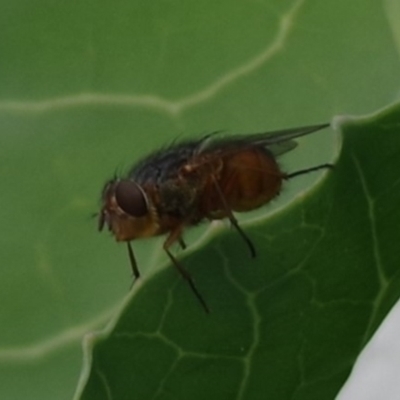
(89, 87)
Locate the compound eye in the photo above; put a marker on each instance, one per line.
(131, 198)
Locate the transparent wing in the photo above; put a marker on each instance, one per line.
(278, 149)
(278, 142)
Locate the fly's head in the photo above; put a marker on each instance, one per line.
(127, 210)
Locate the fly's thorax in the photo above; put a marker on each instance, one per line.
(201, 168)
(177, 198)
(128, 211)
(195, 177)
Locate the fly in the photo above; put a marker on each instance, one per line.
(187, 183)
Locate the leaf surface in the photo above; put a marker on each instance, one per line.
(89, 87)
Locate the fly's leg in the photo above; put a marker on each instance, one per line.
(175, 235)
(182, 243)
(234, 221)
(307, 170)
(135, 269)
(132, 259)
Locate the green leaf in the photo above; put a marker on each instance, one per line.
(88, 88)
(289, 325)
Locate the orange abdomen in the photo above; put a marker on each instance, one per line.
(248, 179)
